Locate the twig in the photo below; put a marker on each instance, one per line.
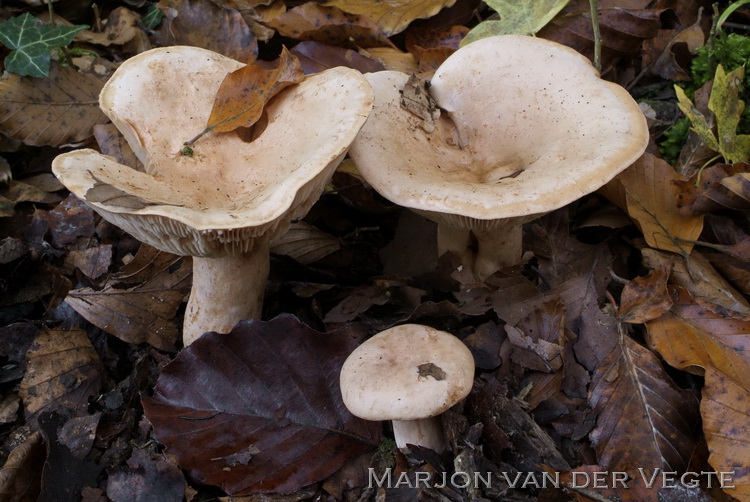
(597, 34)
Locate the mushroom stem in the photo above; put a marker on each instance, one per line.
(498, 247)
(226, 290)
(426, 432)
(457, 240)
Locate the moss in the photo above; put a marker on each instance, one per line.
(675, 138)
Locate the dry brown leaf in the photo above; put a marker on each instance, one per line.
(207, 25)
(643, 418)
(692, 337)
(700, 279)
(144, 313)
(315, 57)
(63, 371)
(305, 243)
(93, 262)
(54, 111)
(112, 143)
(19, 479)
(393, 59)
(623, 29)
(725, 409)
(244, 92)
(645, 298)
(395, 15)
(668, 55)
(649, 199)
(330, 25)
(121, 27)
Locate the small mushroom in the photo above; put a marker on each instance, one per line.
(510, 128)
(408, 374)
(226, 199)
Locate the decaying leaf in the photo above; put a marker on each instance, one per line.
(63, 371)
(645, 190)
(66, 98)
(143, 313)
(146, 478)
(725, 409)
(645, 298)
(516, 18)
(395, 15)
(305, 243)
(209, 25)
(315, 57)
(244, 92)
(18, 481)
(693, 337)
(259, 409)
(331, 25)
(122, 26)
(644, 419)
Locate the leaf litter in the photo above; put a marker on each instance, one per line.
(609, 348)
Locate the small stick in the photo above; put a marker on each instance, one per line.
(593, 4)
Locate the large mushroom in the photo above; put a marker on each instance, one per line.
(408, 374)
(525, 126)
(225, 202)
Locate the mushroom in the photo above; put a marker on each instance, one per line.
(529, 128)
(223, 203)
(408, 374)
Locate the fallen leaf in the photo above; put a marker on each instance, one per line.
(315, 57)
(112, 143)
(69, 220)
(651, 202)
(395, 15)
(93, 262)
(32, 42)
(122, 25)
(66, 98)
(19, 480)
(208, 25)
(63, 371)
(63, 474)
(330, 25)
(143, 313)
(668, 55)
(645, 298)
(259, 409)
(244, 92)
(623, 29)
(699, 278)
(725, 409)
(691, 337)
(644, 419)
(146, 478)
(516, 18)
(305, 243)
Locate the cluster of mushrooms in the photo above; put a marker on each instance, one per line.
(511, 127)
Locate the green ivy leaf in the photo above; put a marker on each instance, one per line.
(516, 18)
(32, 41)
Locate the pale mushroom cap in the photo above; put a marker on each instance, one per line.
(407, 372)
(231, 190)
(539, 129)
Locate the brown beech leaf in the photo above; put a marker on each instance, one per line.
(643, 418)
(315, 57)
(330, 25)
(146, 478)
(208, 25)
(646, 192)
(244, 92)
(725, 409)
(62, 372)
(143, 313)
(122, 26)
(645, 298)
(19, 478)
(691, 336)
(66, 98)
(392, 16)
(623, 30)
(259, 409)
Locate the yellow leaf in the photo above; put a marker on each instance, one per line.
(727, 106)
(516, 18)
(392, 16)
(698, 122)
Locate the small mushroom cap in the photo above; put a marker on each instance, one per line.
(232, 190)
(407, 372)
(529, 128)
